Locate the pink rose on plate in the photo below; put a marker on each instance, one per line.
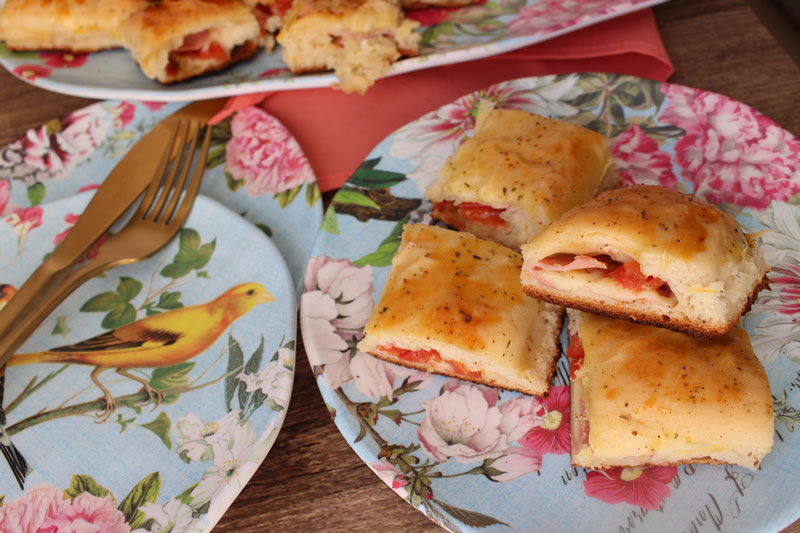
(263, 154)
(547, 16)
(640, 161)
(29, 513)
(88, 514)
(731, 152)
(644, 487)
(43, 509)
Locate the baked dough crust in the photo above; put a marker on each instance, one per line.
(459, 295)
(712, 267)
(150, 29)
(533, 167)
(358, 39)
(657, 397)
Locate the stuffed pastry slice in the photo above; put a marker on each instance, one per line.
(651, 255)
(269, 14)
(518, 173)
(357, 39)
(643, 395)
(173, 40)
(69, 25)
(453, 305)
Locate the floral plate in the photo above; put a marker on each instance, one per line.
(255, 167)
(223, 292)
(448, 36)
(257, 171)
(511, 468)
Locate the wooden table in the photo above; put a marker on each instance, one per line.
(312, 480)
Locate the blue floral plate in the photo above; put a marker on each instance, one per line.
(510, 468)
(448, 36)
(216, 310)
(182, 462)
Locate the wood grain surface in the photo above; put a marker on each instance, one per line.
(312, 480)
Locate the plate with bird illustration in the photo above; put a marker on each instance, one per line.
(151, 395)
(478, 458)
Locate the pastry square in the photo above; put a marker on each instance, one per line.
(453, 305)
(643, 396)
(648, 254)
(357, 39)
(518, 173)
(173, 40)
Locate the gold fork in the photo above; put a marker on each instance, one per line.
(155, 223)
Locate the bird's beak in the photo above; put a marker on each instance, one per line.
(265, 298)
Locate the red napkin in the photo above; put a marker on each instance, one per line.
(337, 130)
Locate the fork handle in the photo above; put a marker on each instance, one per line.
(25, 327)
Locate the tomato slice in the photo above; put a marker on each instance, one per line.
(415, 356)
(630, 276)
(575, 355)
(488, 216)
(431, 356)
(447, 212)
(455, 215)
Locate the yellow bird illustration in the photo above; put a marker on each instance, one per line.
(159, 340)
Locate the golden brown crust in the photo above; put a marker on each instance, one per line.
(459, 296)
(649, 396)
(642, 316)
(711, 270)
(533, 168)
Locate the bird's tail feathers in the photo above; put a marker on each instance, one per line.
(35, 357)
(19, 466)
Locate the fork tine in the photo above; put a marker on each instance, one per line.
(194, 185)
(158, 175)
(167, 213)
(184, 128)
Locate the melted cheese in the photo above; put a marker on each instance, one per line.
(653, 396)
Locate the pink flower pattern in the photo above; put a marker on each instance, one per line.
(64, 59)
(551, 435)
(52, 151)
(23, 221)
(123, 114)
(91, 253)
(643, 487)
(264, 155)
(548, 16)
(32, 72)
(785, 288)
(731, 152)
(5, 196)
(640, 161)
(43, 509)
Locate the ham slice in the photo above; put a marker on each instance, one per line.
(194, 42)
(567, 262)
